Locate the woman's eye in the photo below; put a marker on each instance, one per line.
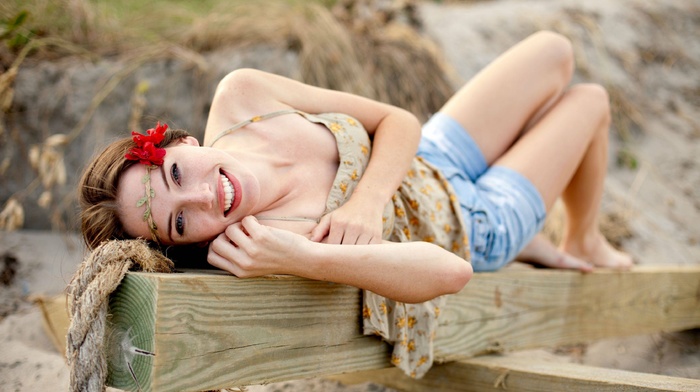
(175, 173)
(179, 224)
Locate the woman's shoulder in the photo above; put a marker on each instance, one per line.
(240, 96)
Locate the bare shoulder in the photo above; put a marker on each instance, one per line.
(240, 95)
(244, 90)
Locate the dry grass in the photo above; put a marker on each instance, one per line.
(367, 47)
(385, 59)
(380, 56)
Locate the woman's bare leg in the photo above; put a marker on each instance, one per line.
(565, 155)
(563, 152)
(501, 101)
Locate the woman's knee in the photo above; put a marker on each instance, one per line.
(595, 100)
(558, 50)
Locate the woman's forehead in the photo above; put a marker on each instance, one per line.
(131, 206)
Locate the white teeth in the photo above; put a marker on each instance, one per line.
(229, 193)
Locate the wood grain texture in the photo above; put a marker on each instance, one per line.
(211, 330)
(214, 330)
(131, 323)
(499, 373)
(512, 310)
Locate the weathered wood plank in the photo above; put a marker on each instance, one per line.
(512, 310)
(212, 330)
(498, 373)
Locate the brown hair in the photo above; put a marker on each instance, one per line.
(97, 190)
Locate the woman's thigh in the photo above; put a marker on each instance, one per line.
(519, 86)
(553, 150)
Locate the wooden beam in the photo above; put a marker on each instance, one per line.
(498, 373)
(210, 330)
(512, 310)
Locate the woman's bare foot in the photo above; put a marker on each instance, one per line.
(599, 252)
(542, 252)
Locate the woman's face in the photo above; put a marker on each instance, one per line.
(199, 191)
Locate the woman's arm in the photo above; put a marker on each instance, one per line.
(359, 220)
(408, 272)
(245, 93)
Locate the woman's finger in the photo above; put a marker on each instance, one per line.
(251, 226)
(321, 230)
(219, 261)
(336, 234)
(220, 244)
(350, 238)
(237, 236)
(363, 239)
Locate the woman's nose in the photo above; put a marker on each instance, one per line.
(200, 196)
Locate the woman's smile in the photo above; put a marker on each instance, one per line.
(229, 192)
(198, 193)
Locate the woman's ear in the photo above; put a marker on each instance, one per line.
(191, 140)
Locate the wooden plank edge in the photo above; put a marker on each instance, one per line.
(516, 373)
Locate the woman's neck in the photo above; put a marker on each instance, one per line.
(277, 174)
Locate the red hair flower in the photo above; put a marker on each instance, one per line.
(146, 151)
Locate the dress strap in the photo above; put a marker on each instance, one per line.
(253, 120)
(258, 119)
(288, 218)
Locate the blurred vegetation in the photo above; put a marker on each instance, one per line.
(351, 45)
(11, 31)
(111, 27)
(374, 48)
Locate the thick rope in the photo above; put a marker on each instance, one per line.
(88, 298)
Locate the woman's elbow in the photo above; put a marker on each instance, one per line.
(413, 124)
(459, 277)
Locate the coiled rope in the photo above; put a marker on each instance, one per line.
(88, 298)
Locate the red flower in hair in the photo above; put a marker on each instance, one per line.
(146, 151)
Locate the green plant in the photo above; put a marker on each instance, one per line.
(12, 32)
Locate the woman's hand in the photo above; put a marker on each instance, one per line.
(354, 223)
(408, 272)
(249, 249)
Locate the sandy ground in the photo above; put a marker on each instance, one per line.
(658, 201)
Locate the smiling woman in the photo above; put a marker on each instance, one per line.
(97, 194)
(187, 195)
(291, 175)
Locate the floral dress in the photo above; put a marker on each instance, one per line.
(424, 208)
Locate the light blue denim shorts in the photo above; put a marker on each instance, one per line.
(502, 209)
